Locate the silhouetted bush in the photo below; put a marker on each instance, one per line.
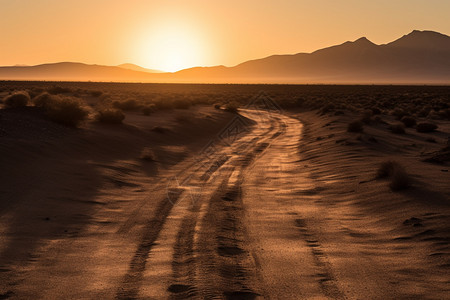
(66, 111)
(355, 126)
(18, 99)
(110, 116)
(426, 127)
(408, 121)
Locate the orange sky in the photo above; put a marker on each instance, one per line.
(176, 34)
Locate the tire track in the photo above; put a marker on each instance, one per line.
(211, 259)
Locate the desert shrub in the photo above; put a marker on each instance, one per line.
(232, 107)
(217, 106)
(397, 128)
(393, 170)
(147, 155)
(355, 126)
(66, 111)
(43, 100)
(110, 116)
(148, 109)
(408, 121)
(18, 99)
(426, 127)
(130, 104)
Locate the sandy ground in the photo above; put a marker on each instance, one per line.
(284, 207)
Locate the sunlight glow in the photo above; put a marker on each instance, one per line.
(171, 48)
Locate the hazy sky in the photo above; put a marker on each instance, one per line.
(176, 34)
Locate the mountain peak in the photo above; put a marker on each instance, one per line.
(363, 40)
(422, 39)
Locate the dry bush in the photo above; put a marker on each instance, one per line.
(67, 111)
(147, 155)
(355, 126)
(426, 127)
(399, 178)
(110, 116)
(232, 107)
(408, 121)
(397, 128)
(217, 106)
(18, 99)
(129, 104)
(43, 100)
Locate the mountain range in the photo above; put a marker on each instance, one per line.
(420, 57)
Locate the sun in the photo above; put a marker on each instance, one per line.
(171, 48)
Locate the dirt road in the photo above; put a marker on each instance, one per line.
(242, 220)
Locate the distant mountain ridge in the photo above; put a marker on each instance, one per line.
(420, 57)
(134, 67)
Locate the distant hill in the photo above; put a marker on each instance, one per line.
(138, 68)
(420, 57)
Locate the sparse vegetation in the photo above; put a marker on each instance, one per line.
(110, 116)
(18, 99)
(67, 111)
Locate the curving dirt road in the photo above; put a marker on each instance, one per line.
(240, 221)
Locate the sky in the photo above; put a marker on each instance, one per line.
(170, 35)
